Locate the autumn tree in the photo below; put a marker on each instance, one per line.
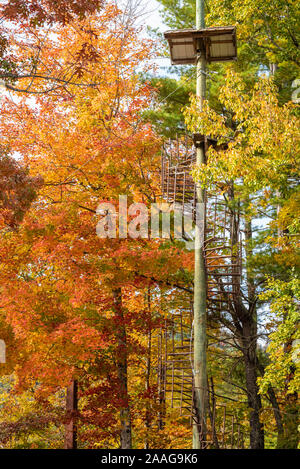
(18, 190)
(259, 162)
(282, 371)
(26, 26)
(76, 317)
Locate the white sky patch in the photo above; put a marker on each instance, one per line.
(148, 16)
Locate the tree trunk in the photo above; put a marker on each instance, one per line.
(122, 370)
(71, 408)
(290, 437)
(148, 371)
(249, 340)
(275, 406)
(254, 401)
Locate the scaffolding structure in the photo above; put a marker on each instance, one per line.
(223, 253)
(176, 387)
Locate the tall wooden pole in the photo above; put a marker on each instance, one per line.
(200, 373)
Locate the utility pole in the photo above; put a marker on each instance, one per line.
(200, 341)
(215, 44)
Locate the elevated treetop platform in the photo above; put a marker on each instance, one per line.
(219, 44)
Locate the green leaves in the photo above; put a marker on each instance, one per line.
(283, 371)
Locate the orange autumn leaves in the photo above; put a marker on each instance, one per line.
(88, 144)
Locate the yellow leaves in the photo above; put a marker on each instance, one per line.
(289, 214)
(207, 121)
(284, 340)
(264, 143)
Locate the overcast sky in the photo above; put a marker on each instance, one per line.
(153, 19)
(150, 17)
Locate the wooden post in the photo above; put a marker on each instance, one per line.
(71, 407)
(200, 340)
